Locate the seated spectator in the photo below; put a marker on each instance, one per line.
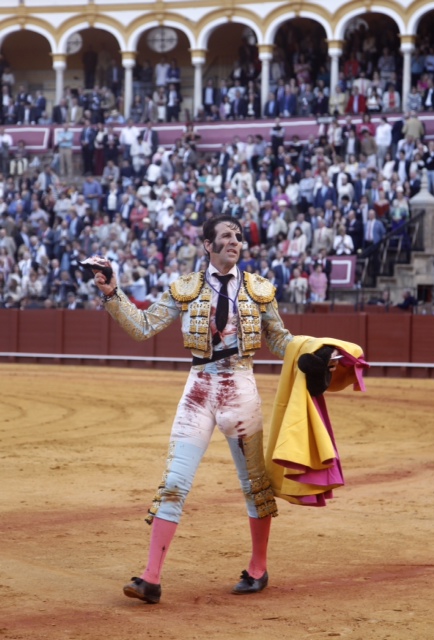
(408, 301)
(338, 102)
(391, 100)
(356, 104)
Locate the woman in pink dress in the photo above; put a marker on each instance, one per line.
(318, 284)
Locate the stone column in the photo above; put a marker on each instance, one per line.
(425, 200)
(128, 63)
(265, 56)
(335, 52)
(59, 66)
(198, 60)
(407, 48)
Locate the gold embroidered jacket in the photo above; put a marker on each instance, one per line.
(190, 296)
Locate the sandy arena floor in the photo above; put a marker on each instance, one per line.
(82, 452)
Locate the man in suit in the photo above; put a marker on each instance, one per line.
(354, 226)
(415, 183)
(282, 274)
(87, 141)
(60, 113)
(325, 192)
(288, 103)
(271, 108)
(40, 103)
(223, 159)
(151, 137)
(362, 186)
(322, 238)
(238, 107)
(26, 113)
(150, 111)
(209, 96)
(402, 166)
(428, 98)
(75, 113)
(357, 103)
(320, 105)
(374, 232)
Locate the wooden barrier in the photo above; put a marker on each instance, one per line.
(390, 340)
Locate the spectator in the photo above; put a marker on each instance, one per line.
(318, 284)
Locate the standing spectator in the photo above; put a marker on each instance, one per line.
(115, 78)
(386, 66)
(5, 145)
(356, 104)
(209, 96)
(428, 98)
(318, 284)
(65, 140)
(146, 76)
(383, 140)
(343, 242)
(414, 127)
(128, 137)
(172, 104)
(60, 112)
(161, 71)
(92, 193)
(87, 141)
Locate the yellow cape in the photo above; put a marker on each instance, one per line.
(298, 434)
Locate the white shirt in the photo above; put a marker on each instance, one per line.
(229, 338)
(161, 70)
(383, 135)
(128, 135)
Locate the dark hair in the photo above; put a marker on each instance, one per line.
(208, 229)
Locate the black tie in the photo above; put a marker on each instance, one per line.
(222, 310)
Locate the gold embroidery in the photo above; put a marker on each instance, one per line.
(259, 289)
(260, 486)
(153, 510)
(188, 287)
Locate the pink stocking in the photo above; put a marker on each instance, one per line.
(260, 531)
(161, 537)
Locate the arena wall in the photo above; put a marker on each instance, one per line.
(399, 344)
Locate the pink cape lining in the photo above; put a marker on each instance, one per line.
(333, 475)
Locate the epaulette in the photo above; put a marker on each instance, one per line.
(259, 289)
(188, 287)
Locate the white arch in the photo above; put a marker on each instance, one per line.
(61, 47)
(29, 27)
(342, 24)
(275, 25)
(135, 36)
(278, 22)
(413, 23)
(202, 41)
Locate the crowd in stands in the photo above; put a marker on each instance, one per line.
(370, 81)
(142, 206)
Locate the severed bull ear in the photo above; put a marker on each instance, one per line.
(96, 263)
(315, 367)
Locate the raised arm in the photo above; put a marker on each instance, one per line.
(140, 325)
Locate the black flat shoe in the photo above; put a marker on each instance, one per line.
(139, 588)
(248, 584)
(98, 264)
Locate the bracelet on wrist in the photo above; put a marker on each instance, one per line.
(111, 295)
